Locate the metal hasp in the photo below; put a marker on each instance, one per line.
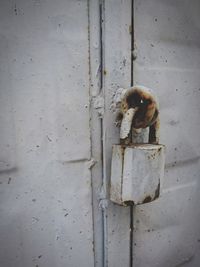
(137, 169)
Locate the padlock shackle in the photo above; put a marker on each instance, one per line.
(126, 123)
(139, 108)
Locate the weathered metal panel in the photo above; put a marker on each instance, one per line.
(96, 129)
(45, 183)
(117, 73)
(167, 51)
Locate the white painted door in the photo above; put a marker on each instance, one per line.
(45, 144)
(167, 49)
(166, 57)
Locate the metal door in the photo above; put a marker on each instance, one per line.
(45, 146)
(167, 50)
(61, 64)
(156, 44)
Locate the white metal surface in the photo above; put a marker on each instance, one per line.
(117, 73)
(167, 35)
(95, 125)
(45, 176)
(50, 133)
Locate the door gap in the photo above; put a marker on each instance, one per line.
(132, 59)
(104, 186)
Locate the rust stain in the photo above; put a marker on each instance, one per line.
(129, 203)
(153, 156)
(147, 107)
(147, 199)
(150, 198)
(146, 115)
(126, 141)
(157, 192)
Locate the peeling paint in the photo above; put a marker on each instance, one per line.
(99, 105)
(90, 163)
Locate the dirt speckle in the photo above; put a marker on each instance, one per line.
(15, 10)
(49, 139)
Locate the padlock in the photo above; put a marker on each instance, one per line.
(137, 169)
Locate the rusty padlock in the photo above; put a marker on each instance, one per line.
(137, 169)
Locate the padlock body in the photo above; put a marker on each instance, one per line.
(137, 173)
